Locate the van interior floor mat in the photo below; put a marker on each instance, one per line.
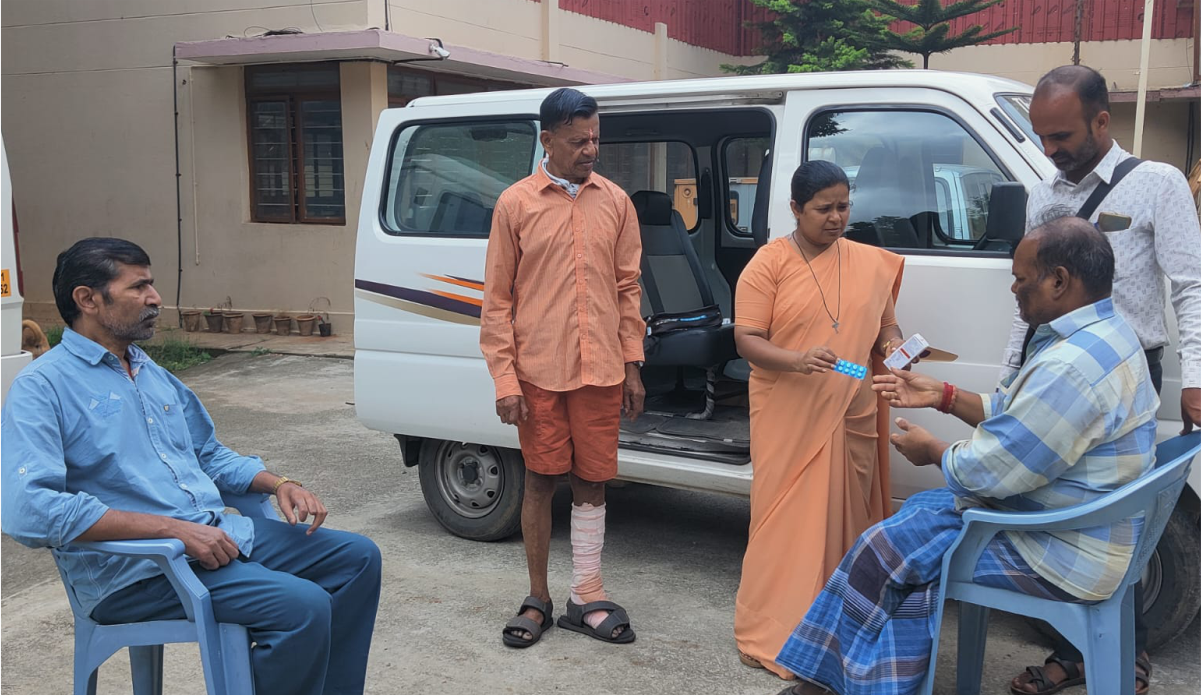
(726, 437)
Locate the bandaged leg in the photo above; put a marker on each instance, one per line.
(587, 540)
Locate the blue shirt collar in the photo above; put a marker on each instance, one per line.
(92, 352)
(1073, 321)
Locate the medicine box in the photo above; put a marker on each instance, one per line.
(909, 350)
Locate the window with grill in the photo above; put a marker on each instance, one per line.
(296, 168)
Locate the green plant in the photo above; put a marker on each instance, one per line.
(260, 351)
(54, 335)
(821, 35)
(175, 355)
(932, 33)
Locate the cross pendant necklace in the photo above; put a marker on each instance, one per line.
(834, 317)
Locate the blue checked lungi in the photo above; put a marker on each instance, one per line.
(871, 629)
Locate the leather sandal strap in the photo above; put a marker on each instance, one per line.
(615, 620)
(524, 623)
(1038, 678)
(1069, 667)
(532, 602)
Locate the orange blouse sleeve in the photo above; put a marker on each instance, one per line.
(889, 318)
(755, 296)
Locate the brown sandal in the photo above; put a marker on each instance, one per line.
(749, 661)
(1043, 685)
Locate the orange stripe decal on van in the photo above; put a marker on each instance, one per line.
(461, 298)
(461, 282)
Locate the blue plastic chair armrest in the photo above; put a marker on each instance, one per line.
(168, 554)
(136, 548)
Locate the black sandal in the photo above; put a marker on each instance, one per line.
(1043, 685)
(521, 624)
(573, 620)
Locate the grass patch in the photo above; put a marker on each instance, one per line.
(260, 351)
(174, 354)
(171, 353)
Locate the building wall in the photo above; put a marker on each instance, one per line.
(1165, 134)
(87, 119)
(1171, 61)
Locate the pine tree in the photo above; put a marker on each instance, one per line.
(932, 33)
(821, 35)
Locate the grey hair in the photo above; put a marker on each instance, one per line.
(93, 263)
(1077, 246)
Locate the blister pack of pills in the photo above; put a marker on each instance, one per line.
(850, 369)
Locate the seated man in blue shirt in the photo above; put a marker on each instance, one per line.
(1076, 422)
(100, 443)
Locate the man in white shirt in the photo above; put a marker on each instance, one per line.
(1070, 114)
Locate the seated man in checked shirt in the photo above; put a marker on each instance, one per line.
(100, 443)
(1076, 422)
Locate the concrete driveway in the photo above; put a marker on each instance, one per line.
(671, 557)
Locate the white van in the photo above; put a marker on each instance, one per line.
(927, 150)
(12, 358)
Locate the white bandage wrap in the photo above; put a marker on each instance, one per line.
(587, 540)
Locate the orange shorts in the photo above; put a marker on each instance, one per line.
(574, 431)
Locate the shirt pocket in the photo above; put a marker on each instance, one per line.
(175, 425)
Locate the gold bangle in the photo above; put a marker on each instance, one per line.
(281, 481)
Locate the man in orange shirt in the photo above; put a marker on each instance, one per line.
(562, 335)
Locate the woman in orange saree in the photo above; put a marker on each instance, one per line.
(819, 438)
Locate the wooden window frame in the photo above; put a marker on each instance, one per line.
(399, 101)
(293, 98)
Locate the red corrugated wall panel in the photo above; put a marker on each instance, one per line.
(720, 24)
(1050, 21)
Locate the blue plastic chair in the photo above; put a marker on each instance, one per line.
(1103, 631)
(224, 648)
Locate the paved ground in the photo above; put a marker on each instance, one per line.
(672, 557)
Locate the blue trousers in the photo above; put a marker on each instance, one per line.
(308, 602)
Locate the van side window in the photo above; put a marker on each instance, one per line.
(742, 160)
(919, 179)
(444, 178)
(666, 167)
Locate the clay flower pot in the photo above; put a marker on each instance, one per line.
(215, 322)
(305, 323)
(283, 325)
(233, 322)
(262, 322)
(191, 320)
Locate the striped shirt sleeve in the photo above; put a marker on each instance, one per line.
(1052, 421)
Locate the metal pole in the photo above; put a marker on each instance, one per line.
(1144, 67)
(1078, 32)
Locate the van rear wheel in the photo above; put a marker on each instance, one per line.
(474, 491)
(1171, 582)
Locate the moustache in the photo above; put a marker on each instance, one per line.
(148, 314)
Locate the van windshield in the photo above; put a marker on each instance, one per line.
(1017, 107)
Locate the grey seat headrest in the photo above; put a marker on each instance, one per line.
(653, 207)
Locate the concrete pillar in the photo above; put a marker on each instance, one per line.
(661, 51)
(364, 96)
(550, 31)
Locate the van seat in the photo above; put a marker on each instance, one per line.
(673, 281)
(881, 213)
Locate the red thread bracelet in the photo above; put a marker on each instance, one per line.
(947, 392)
